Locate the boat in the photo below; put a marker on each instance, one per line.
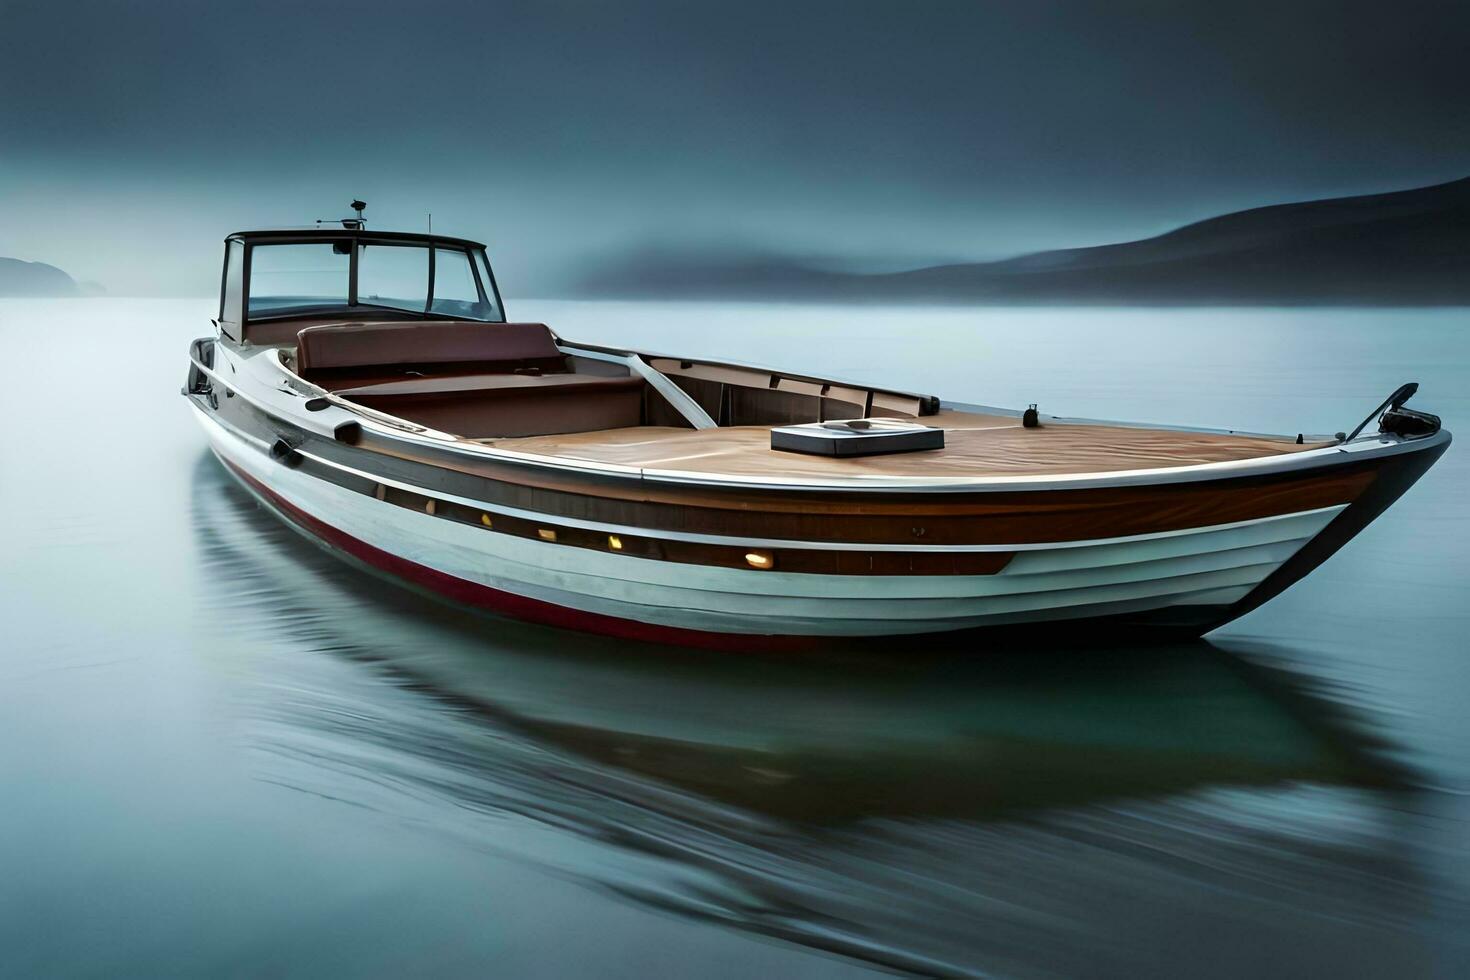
(369, 388)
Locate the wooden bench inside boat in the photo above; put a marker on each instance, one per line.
(472, 379)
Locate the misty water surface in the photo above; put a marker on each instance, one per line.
(224, 751)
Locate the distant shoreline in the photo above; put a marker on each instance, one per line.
(20, 279)
(1406, 248)
(1402, 249)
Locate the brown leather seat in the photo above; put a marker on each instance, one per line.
(482, 406)
(479, 380)
(352, 353)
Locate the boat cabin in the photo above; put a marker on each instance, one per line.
(274, 281)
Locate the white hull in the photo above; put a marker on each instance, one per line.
(1202, 567)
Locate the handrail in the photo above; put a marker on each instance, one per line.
(308, 420)
(673, 394)
(1396, 400)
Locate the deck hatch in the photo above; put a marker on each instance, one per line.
(857, 437)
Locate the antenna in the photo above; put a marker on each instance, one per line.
(431, 222)
(357, 224)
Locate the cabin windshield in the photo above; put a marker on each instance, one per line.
(286, 279)
(294, 279)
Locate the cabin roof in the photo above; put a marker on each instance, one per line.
(344, 234)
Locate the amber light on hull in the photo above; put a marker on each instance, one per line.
(760, 559)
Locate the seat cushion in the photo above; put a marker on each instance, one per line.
(498, 405)
(346, 349)
(492, 385)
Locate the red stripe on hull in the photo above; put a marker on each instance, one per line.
(516, 606)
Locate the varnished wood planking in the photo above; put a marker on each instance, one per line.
(976, 446)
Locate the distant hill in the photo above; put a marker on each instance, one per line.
(18, 278)
(1406, 247)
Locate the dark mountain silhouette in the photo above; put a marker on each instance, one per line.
(1406, 247)
(19, 278)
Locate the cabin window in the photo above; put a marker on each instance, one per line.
(298, 278)
(232, 292)
(455, 291)
(482, 265)
(285, 280)
(393, 276)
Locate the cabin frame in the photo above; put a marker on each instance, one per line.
(234, 318)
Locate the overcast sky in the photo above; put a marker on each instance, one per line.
(134, 136)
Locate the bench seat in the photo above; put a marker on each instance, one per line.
(476, 380)
(486, 406)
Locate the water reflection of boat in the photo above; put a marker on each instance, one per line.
(879, 810)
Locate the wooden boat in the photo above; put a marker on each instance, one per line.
(368, 387)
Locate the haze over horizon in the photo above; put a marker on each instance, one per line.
(136, 138)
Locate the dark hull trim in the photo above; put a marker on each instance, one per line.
(633, 545)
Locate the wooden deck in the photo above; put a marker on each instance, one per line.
(975, 446)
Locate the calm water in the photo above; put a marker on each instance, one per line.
(223, 751)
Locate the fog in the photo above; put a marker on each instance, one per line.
(135, 137)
